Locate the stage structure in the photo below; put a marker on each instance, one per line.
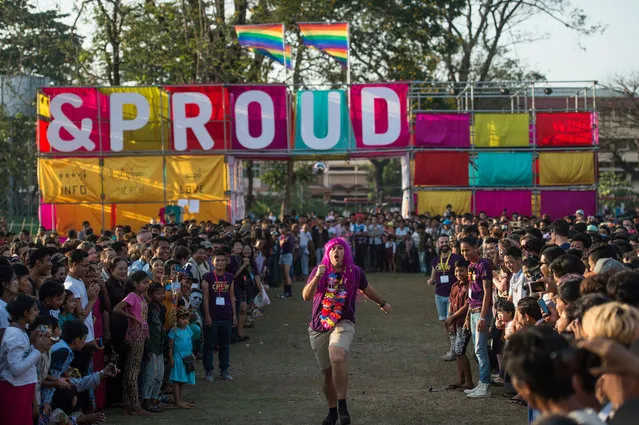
(118, 155)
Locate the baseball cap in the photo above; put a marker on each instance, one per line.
(579, 212)
(447, 222)
(592, 228)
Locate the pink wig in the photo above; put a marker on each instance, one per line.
(350, 272)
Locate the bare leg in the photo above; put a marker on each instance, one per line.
(287, 274)
(463, 362)
(329, 388)
(340, 371)
(242, 320)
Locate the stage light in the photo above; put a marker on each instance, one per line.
(320, 168)
(548, 91)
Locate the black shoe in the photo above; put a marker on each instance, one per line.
(329, 420)
(344, 418)
(286, 295)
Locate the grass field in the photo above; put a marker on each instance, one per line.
(393, 362)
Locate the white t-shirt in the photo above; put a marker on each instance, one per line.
(399, 232)
(4, 315)
(80, 291)
(585, 417)
(518, 287)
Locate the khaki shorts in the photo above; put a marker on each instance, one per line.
(341, 336)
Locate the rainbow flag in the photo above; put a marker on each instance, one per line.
(331, 39)
(266, 39)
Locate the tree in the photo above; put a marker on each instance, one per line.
(620, 122)
(36, 43)
(18, 189)
(282, 176)
(475, 32)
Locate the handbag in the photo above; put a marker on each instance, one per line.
(189, 363)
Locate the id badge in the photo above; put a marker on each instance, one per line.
(219, 301)
(443, 278)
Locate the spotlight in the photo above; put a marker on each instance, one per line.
(505, 91)
(548, 91)
(319, 168)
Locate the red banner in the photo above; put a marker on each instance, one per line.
(198, 114)
(379, 115)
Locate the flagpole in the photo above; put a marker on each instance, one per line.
(285, 58)
(348, 53)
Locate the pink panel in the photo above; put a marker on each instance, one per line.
(493, 202)
(47, 215)
(93, 103)
(561, 203)
(277, 93)
(442, 130)
(381, 110)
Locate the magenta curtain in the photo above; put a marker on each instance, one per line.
(442, 130)
(493, 202)
(47, 215)
(560, 203)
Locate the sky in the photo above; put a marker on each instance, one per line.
(563, 56)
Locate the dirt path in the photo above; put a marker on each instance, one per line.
(393, 362)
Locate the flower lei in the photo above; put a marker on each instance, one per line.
(333, 302)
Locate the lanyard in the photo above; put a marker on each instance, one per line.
(444, 268)
(219, 288)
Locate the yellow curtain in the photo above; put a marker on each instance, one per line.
(156, 130)
(69, 180)
(214, 211)
(133, 179)
(499, 130)
(196, 177)
(137, 215)
(43, 105)
(434, 202)
(566, 168)
(71, 216)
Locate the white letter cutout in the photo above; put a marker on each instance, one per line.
(242, 119)
(118, 124)
(369, 137)
(81, 136)
(181, 122)
(334, 121)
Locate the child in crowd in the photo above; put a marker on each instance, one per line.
(134, 307)
(67, 309)
(153, 351)
(48, 326)
(181, 358)
(458, 312)
(528, 314)
(505, 321)
(390, 248)
(505, 316)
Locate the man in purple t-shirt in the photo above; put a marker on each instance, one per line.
(220, 317)
(480, 276)
(333, 286)
(443, 275)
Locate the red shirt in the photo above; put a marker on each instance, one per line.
(458, 298)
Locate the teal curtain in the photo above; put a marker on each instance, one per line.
(502, 169)
(323, 106)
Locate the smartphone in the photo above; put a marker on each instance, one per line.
(543, 306)
(536, 287)
(535, 274)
